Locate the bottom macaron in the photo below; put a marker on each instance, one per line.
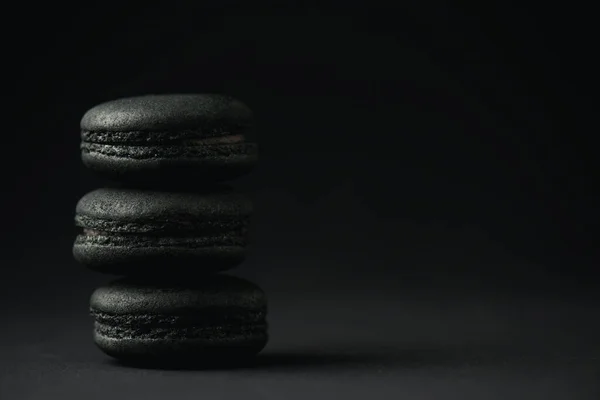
(220, 319)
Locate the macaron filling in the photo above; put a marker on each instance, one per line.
(172, 138)
(210, 316)
(214, 332)
(133, 241)
(185, 146)
(211, 323)
(173, 226)
(208, 233)
(226, 139)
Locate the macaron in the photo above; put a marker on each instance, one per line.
(132, 231)
(216, 319)
(170, 138)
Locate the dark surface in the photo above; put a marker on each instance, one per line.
(444, 342)
(143, 231)
(149, 139)
(218, 317)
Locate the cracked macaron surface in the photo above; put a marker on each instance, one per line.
(160, 138)
(134, 230)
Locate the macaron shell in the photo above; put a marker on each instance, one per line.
(176, 296)
(198, 351)
(122, 204)
(166, 112)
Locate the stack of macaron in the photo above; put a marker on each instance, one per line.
(168, 227)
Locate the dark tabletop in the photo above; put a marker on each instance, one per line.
(399, 341)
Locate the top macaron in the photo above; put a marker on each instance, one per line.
(169, 138)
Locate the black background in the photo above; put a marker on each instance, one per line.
(405, 148)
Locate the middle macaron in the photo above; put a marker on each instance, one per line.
(129, 231)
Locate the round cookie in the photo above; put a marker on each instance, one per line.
(220, 318)
(165, 139)
(130, 231)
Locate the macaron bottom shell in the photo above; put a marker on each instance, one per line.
(123, 260)
(180, 352)
(222, 163)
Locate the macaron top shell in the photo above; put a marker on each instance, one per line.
(125, 296)
(168, 112)
(142, 205)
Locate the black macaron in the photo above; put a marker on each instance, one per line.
(127, 231)
(163, 139)
(217, 319)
